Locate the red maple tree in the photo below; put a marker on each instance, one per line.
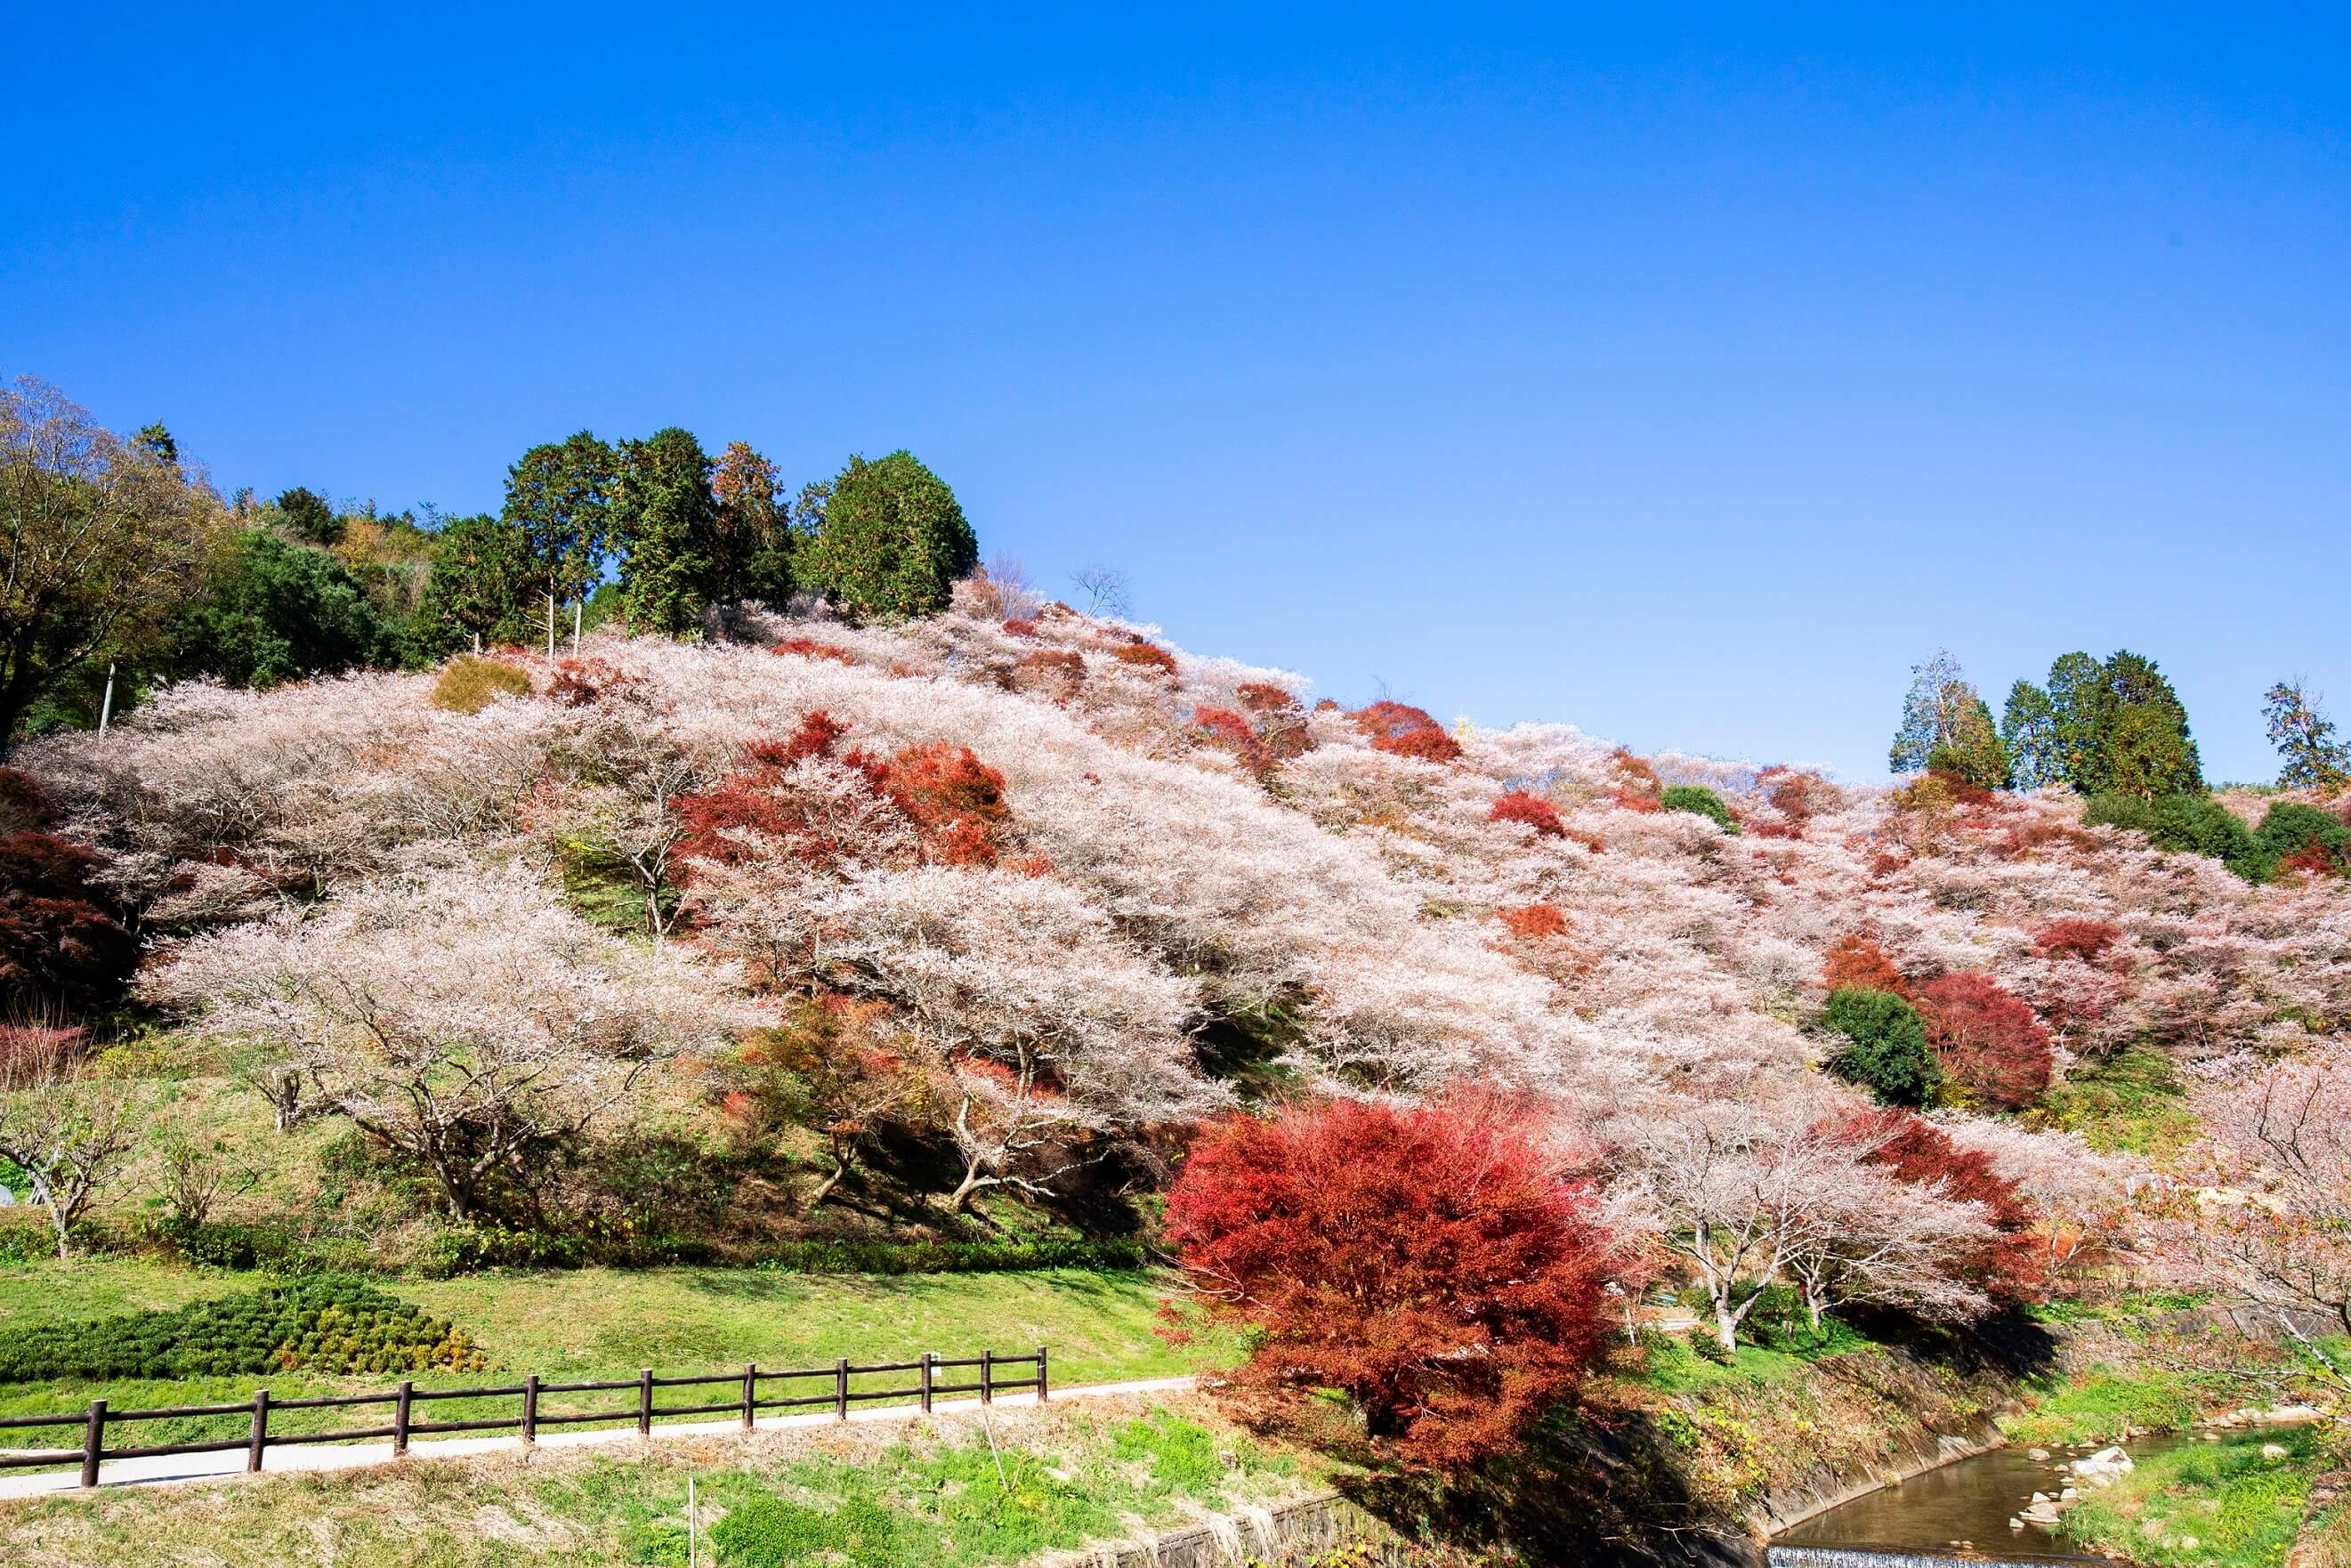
(2009, 1269)
(1856, 961)
(1427, 1261)
(1529, 810)
(1406, 731)
(60, 947)
(2087, 940)
(1989, 1042)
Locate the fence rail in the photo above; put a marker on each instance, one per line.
(748, 1390)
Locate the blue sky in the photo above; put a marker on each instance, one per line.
(1685, 379)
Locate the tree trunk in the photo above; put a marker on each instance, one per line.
(1725, 1327)
(960, 1200)
(58, 1220)
(824, 1188)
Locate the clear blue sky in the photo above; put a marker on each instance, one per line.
(1686, 380)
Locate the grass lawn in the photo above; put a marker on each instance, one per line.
(2104, 1406)
(924, 1495)
(601, 1323)
(2219, 1504)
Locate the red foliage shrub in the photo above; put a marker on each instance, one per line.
(1021, 628)
(1145, 654)
(1965, 793)
(810, 648)
(1426, 1261)
(581, 682)
(1885, 862)
(1632, 800)
(1989, 1042)
(955, 799)
(1264, 696)
(1858, 961)
(1421, 745)
(1536, 920)
(1529, 810)
(1223, 729)
(1916, 1150)
(2087, 940)
(60, 945)
(1326, 705)
(1638, 780)
(2312, 859)
(755, 799)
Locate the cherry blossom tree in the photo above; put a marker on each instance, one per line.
(464, 1018)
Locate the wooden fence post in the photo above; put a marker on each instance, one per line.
(926, 1387)
(987, 1377)
(530, 1408)
(93, 1442)
(646, 1402)
(1044, 1384)
(399, 1409)
(841, 1389)
(259, 1438)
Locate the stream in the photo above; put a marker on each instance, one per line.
(1960, 1510)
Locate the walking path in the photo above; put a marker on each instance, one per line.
(176, 1467)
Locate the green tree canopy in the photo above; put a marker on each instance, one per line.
(2028, 728)
(99, 540)
(664, 518)
(893, 540)
(482, 580)
(2185, 824)
(1948, 726)
(310, 515)
(1700, 800)
(752, 536)
(1886, 1050)
(559, 495)
(272, 611)
(2310, 758)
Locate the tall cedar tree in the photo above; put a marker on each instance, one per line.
(663, 519)
(560, 494)
(481, 586)
(751, 535)
(2028, 728)
(893, 542)
(1426, 1260)
(311, 517)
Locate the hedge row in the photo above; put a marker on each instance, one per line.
(323, 1324)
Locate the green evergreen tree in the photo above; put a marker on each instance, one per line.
(2310, 757)
(1700, 800)
(157, 441)
(481, 585)
(664, 519)
(2143, 748)
(271, 611)
(560, 495)
(2076, 703)
(310, 515)
(893, 540)
(2028, 728)
(1885, 1049)
(752, 536)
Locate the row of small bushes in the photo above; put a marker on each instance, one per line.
(2291, 831)
(325, 1324)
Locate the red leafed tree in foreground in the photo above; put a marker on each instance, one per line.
(1427, 1261)
(1988, 1040)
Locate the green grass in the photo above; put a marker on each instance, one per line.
(2104, 1405)
(600, 1323)
(2133, 1104)
(2239, 1508)
(1673, 1367)
(935, 1498)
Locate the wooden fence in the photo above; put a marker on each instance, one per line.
(746, 1388)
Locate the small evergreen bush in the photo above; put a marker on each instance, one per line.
(1701, 802)
(2186, 824)
(325, 1324)
(1885, 1049)
(468, 685)
(2305, 834)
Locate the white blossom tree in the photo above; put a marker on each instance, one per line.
(464, 1018)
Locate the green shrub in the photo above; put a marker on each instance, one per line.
(1886, 1048)
(215, 1244)
(326, 1324)
(1700, 801)
(469, 685)
(765, 1532)
(2291, 827)
(2186, 824)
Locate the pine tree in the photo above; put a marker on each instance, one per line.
(560, 494)
(662, 520)
(480, 587)
(893, 540)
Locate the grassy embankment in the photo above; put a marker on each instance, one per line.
(941, 1493)
(2234, 1503)
(608, 1323)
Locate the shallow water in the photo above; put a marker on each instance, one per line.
(1962, 1508)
